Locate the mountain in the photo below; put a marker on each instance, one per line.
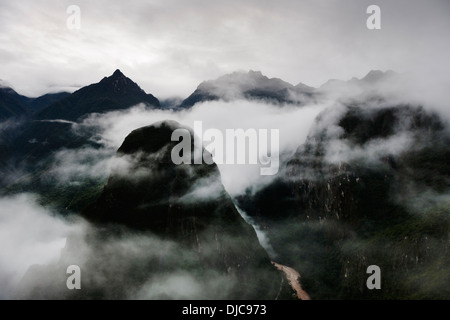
(371, 79)
(11, 104)
(35, 105)
(33, 143)
(368, 187)
(116, 92)
(252, 86)
(189, 219)
(171, 103)
(14, 105)
(51, 129)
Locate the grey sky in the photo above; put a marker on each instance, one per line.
(169, 46)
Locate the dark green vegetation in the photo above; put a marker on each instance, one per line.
(14, 105)
(183, 231)
(333, 214)
(28, 148)
(370, 186)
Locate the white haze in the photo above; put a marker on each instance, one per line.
(170, 46)
(71, 166)
(293, 122)
(260, 233)
(30, 234)
(38, 246)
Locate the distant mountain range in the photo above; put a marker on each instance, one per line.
(47, 121)
(251, 86)
(45, 127)
(364, 189)
(48, 127)
(212, 241)
(374, 77)
(369, 186)
(111, 93)
(14, 105)
(118, 92)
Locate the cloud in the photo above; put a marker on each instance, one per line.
(292, 122)
(203, 189)
(185, 286)
(9, 124)
(311, 40)
(372, 152)
(119, 263)
(261, 234)
(74, 165)
(30, 234)
(39, 245)
(361, 100)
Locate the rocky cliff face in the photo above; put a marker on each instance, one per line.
(156, 221)
(364, 190)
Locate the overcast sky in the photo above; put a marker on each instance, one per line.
(169, 46)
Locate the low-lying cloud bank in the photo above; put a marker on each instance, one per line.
(30, 234)
(292, 122)
(39, 246)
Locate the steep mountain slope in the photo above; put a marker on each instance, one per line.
(376, 82)
(32, 145)
(367, 188)
(115, 92)
(14, 105)
(50, 129)
(195, 230)
(253, 86)
(34, 105)
(11, 104)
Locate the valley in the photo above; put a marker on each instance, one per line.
(364, 182)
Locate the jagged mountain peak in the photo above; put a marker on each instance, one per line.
(303, 87)
(185, 231)
(373, 77)
(245, 81)
(115, 92)
(377, 75)
(249, 85)
(153, 195)
(120, 83)
(118, 73)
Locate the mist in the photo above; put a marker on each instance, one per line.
(314, 40)
(292, 121)
(39, 245)
(30, 234)
(169, 47)
(38, 236)
(262, 236)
